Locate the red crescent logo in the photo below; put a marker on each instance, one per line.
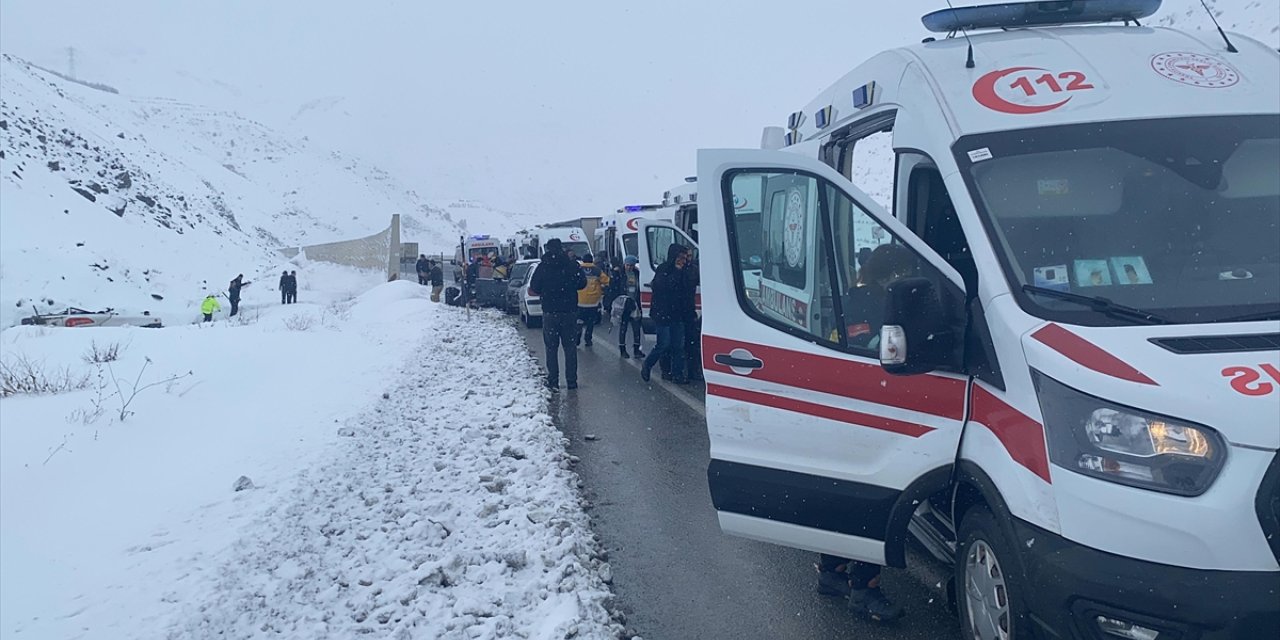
(634, 224)
(984, 91)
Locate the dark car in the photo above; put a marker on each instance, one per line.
(517, 279)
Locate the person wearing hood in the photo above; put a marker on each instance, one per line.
(589, 299)
(233, 292)
(672, 306)
(293, 287)
(436, 276)
(284, 288)
(209, 307)
(424, 268)
(557, 281)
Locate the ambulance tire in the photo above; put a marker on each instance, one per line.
(987, 580)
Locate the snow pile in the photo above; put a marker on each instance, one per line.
(429, 499)
(1258, 19)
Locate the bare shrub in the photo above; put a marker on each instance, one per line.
(128, 395)
(20, 374)
(300, 322)
(101, 355)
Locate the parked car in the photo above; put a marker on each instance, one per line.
(530, 305)
(520, 273)
(75, 317)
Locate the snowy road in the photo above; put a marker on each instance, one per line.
(675, 574)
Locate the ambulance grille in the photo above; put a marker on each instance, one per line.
(1268, 505)
(1221, 344)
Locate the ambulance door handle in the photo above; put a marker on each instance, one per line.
(740, 360)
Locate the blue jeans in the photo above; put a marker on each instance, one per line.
(670, 341)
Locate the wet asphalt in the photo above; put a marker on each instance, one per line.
(675, 575)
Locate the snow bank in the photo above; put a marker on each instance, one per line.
(443, 510)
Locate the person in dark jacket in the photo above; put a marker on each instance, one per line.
(424, 268)
(557, 281)
(672, 307)
(284, 288)
(436, 276)
(293, 287)
(233, 293)
(693, 324)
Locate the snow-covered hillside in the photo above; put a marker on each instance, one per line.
(146, 204)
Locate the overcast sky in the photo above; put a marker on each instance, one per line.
(564, 107)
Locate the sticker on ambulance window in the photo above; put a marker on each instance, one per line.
(1092, 273)
(978, 155)
(1130, 270)
(1052, 277)
(1053, 187)
(793, 225)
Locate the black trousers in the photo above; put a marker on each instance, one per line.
(560, 330)
(860, 573)
(633, 321)
(291, 297)
(208, 317)
(284, 297)
(589, 317)
(235, 306)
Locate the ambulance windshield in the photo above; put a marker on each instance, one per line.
(1176, 217)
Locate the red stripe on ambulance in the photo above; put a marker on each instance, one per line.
(1087, 354)
(1021, 436)
(819, 410)
(934, 395)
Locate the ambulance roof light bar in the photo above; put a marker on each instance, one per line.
(1044, 13)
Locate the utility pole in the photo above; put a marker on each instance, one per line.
(71, 62)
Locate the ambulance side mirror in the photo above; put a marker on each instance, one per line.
(919, 333)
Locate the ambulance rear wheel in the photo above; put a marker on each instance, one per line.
(988, 589)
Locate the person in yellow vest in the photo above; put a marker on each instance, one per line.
(589, 299)
(209, 307)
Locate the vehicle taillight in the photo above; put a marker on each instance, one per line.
(77, 322)
(531, 293)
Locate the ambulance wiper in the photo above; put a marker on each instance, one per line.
(1100, 304)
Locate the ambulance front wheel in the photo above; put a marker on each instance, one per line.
(988, 589)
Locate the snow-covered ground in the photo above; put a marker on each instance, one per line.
(408, 482)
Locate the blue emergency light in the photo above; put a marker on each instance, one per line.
(1032, 14)
(864, 96)
(822, 117)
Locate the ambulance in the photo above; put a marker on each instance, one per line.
(675, 221)
(616, 237)
(1052, 360)
(572, 238)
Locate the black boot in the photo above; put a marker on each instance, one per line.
(872, 603)
(623, 352)
(638, 352)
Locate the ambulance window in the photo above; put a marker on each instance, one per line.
(629, 245)
(931, 214)
(660, 239)
(866, 158)
(783, 251)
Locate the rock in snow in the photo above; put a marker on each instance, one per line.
(242, 483)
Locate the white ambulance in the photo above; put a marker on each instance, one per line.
(616, 237)
(1053, 359)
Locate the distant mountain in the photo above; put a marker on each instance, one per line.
(106, 200)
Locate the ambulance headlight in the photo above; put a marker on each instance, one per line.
(1129, 446)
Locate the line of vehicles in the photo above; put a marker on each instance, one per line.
(1045, 349)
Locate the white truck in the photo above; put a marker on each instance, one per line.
(1051, 357)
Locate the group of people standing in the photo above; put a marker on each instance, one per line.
(572, 294)
(288, 287)
(430, 273)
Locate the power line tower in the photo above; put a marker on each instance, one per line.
(71, 62)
